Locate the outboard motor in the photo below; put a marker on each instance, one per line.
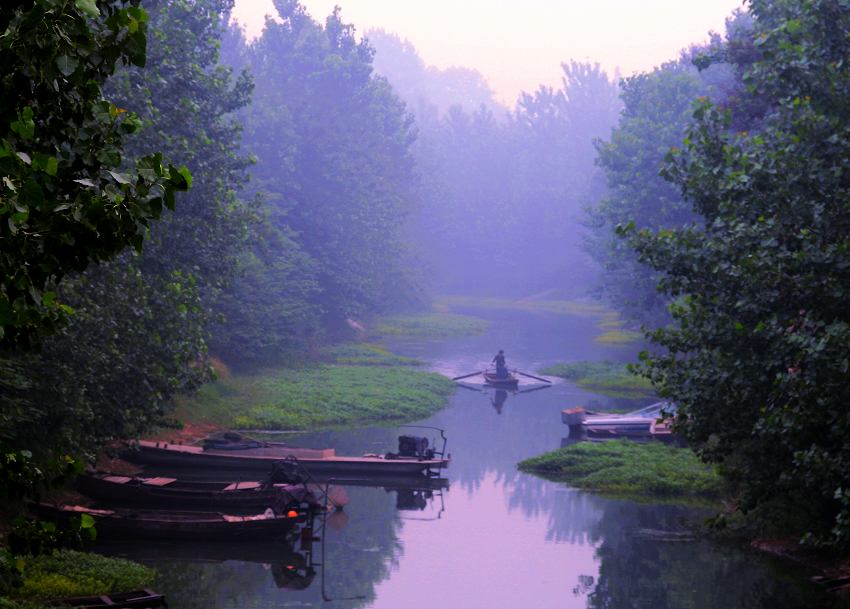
(414, 446)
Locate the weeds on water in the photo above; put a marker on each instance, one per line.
(364, 354)
(608, 378)
(629, 468)
(70, 573)
(430, 325)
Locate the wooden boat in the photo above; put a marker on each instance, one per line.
(176, 493)
(508, 382)
(318, 462)
(168, 524)
(141, 599)
(635, 424)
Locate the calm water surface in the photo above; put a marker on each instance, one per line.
(496, 538)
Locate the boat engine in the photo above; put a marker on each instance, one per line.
(414, 446)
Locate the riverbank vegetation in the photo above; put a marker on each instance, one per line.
(647, 470)
(608, 378)
(318, 397)
(729, 178)
(365, 354)
(72, 573)
(429, 325)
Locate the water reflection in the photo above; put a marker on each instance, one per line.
(495, 538)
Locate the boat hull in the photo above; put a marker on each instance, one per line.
(509, 382)
(193, 526)
(120, 490)
(157, 453)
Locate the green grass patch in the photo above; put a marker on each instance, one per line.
(364, 354)
(430, 325)
(319, 397)
(70, 573)
(564, 307)
(607, 378)
(622, 467)
(620, 337)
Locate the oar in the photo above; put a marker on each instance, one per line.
(531, 376)
(457, 378)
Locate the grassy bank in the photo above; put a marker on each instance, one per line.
(607, 378)
(565, 307)
(318, 397)
(429, 325)
(70, 573)
(365, 354)
(628, 468)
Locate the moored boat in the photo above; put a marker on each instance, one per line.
(637, 423)
(177, 493)
(318, 462)
(169, 524)
(141, 599)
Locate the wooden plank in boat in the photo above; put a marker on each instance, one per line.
(159, 481)
(242, 486)
(117, 479)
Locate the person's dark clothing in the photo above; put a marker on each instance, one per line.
(501, 368)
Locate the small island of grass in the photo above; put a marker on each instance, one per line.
(629, 468)
(430, 325)
(365, 354)
(608, 378)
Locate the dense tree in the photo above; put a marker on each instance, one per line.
(67, 200)
(758, 356)
(657, 107)
(333, 158)
(142, 321)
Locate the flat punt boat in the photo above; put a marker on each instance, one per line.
(177, 493)
(168, 524)
(137, 599)
(317, 462)
(507, 382)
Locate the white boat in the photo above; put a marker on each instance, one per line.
(635, 423)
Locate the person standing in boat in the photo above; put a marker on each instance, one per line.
(501, 368)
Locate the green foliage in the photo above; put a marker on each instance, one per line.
(632, 468)
(269, 309)
(70, 573)
(607, 378)
(564, 307)
(620, 337)
(319, 397)
(360, 354)
(429, 325)
(758, 357)
(67, 197)
(332, 143)
(36, 537)
(141, 322)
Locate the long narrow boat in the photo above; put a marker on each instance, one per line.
(168, 524)
(317, 462)
(137, 599)
(508, 382)
(177, 493)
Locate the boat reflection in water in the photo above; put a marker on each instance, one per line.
(339, 557)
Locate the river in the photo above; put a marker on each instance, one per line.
(495, 538)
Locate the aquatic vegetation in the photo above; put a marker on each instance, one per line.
(620, 337)
(430, 325)
(365, 354)
(70, 573)
(608, 378)
(566, 307)
(630, 468)
(320, 397)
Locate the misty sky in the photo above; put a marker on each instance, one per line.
(519, 44)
